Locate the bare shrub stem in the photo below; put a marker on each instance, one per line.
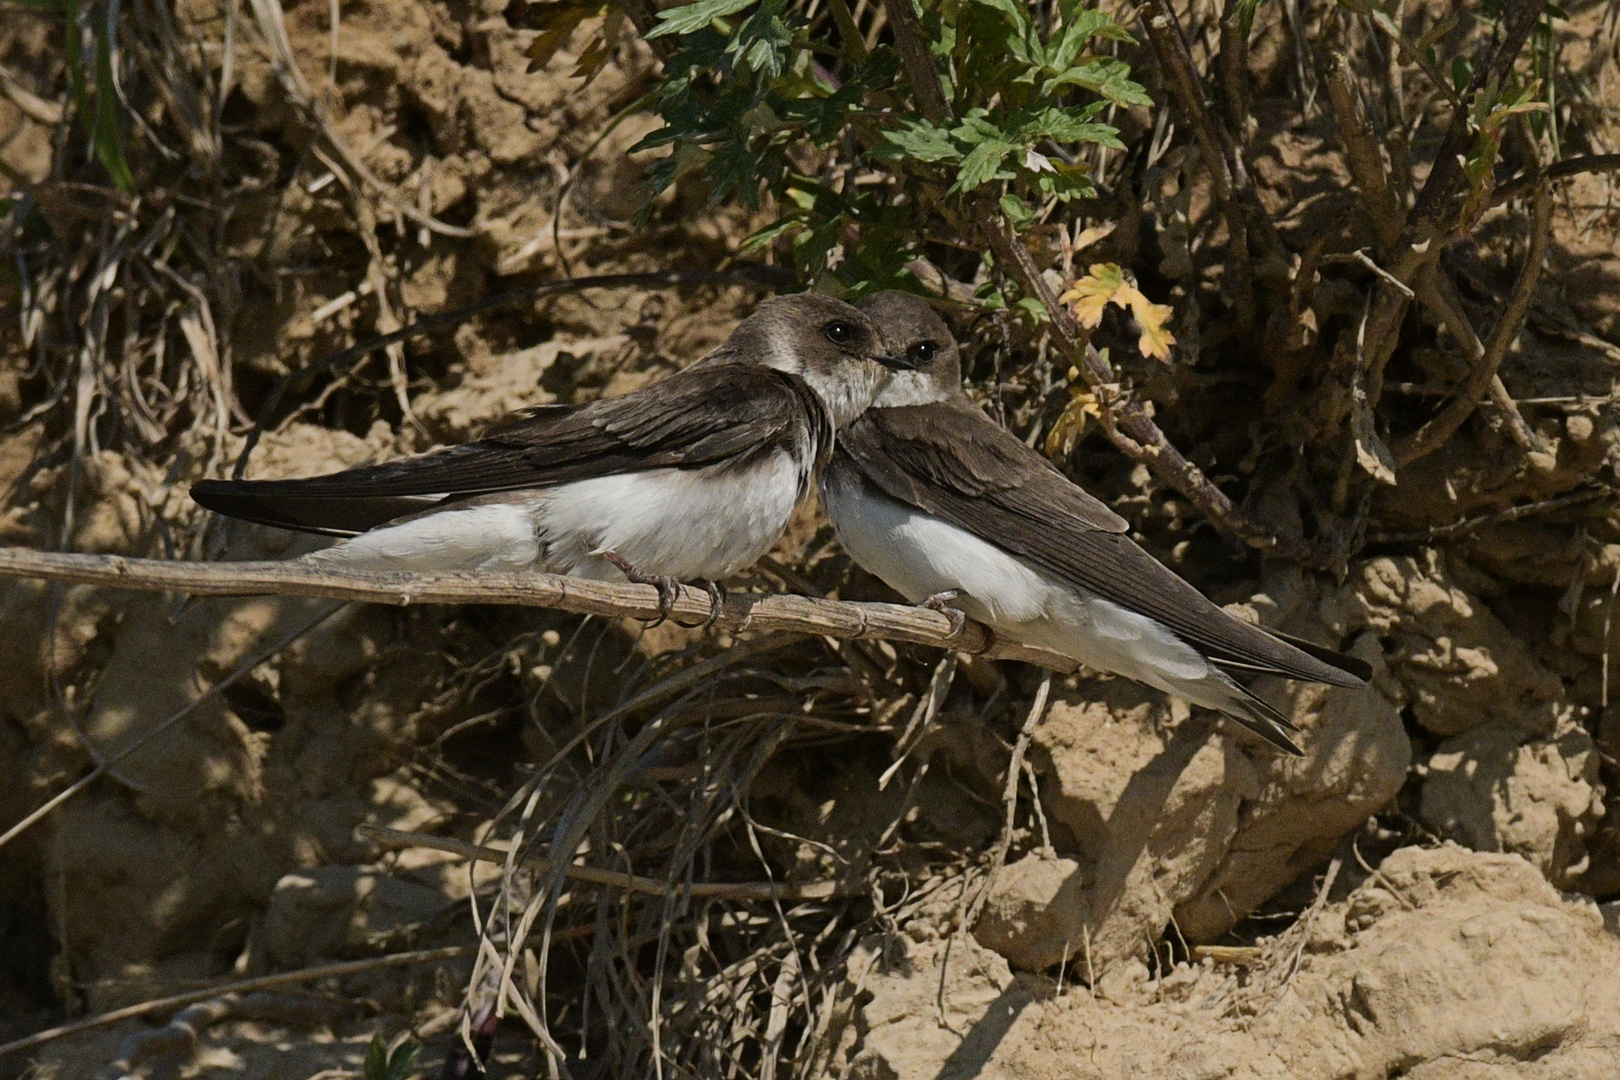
(1129, 427)
(840, 619)
(1488, 358)
(262, 982)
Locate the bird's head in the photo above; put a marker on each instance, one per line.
(835, 347)
(913, 331)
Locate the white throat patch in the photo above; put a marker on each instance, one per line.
(846, 393)
(908, 388)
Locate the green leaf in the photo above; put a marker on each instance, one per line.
(1017, 13)
(770, 234)
(925, 142)
(990, 297)
(399, 1064)
(976, 126)
(1462, 73)
(377, 1059)
(1103, 75)
(381, 1065)
(762, 43)
(1035, 310)
(689, 18)
(1079, 132)
(732, 170)
(1245, 10)
(1080, 27)
(1017, 213)
(107, 137)
(982, 165)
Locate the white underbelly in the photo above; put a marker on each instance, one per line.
(493, 536)
(686, 524)
(919, 555)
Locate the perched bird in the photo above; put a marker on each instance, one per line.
(691, 478)
(945, 505)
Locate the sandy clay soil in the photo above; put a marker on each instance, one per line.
(1430, 892)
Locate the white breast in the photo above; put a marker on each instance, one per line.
(919, 555)
(689, 524)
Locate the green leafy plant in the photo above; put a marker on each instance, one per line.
(91, 81)
(382, 1065)
(800, 114)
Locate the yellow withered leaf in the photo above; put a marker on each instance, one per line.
(1107, 284)
(1084, 406)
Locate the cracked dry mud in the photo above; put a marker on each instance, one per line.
(1464, 798)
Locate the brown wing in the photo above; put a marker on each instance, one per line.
(709, 415)
(929, 455)
(950, 461)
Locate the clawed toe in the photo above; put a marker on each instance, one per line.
(669, 590)
(940, 602)
(717, 600)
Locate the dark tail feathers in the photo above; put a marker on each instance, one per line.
(288, 504)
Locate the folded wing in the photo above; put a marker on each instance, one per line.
(713, 415)
(992, 485)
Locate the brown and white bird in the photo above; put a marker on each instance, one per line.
(937, 500)
(691, 478)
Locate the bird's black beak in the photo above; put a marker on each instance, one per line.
(895, 363)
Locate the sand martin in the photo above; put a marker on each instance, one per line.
(691, 478)
(936, 499)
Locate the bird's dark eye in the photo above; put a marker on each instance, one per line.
(839, 332)
(922, 352)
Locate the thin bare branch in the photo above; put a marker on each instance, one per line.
(1177, 66)
(1468, 526)
(1361, 153)
(283, 60)
(1128, 426)
(742, 611)
(1009, 799)
(1488, 358)
(262, 982)
(737, 890)
(1558, 170)
(107, 764)
(1442, 203)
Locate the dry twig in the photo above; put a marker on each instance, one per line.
(1009, 798)
(1361, 154)
(728, 890)
(1487, 358)
(243, 986)
(1442, 205)
(742, 611)
(1129, 427)
(104, 766)
(267, 15)
(1558, 170)
(1456, 529)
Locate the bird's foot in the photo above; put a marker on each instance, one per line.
(940, 602)
(669, 590)
(717, 599)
